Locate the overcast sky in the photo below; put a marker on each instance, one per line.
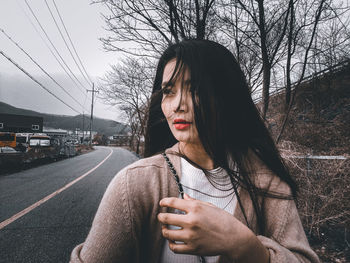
(84, 24)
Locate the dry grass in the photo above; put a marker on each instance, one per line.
(323, 201)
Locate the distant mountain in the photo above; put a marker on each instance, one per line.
(103, 126)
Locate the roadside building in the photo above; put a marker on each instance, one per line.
(55, 132)
(120, 139)
(21, 123)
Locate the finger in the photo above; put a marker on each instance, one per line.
(176, 203)
(179, 248)
(174, 235)
(172, 219)
(209, 204)
(187, 197)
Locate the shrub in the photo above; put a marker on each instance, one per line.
(323, 197)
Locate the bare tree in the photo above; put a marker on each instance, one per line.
(240, 36)
(128, 86)
(302, 40)
(264, 24)
(146, 27)
(332, 45)
(272, 40)
(276, 35)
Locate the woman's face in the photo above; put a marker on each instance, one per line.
(177, 105)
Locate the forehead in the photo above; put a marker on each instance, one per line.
(169, 71)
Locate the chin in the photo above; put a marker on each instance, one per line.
(182, 138)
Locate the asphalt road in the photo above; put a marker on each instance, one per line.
(49, 232)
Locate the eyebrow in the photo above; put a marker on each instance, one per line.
(167, 83)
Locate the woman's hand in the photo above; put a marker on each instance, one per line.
(206, 230)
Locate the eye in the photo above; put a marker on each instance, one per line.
(167, 90)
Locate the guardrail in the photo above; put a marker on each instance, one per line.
(319, 157)
(309, 158)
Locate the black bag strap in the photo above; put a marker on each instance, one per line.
(176, 177)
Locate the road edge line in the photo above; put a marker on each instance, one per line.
(43, 200)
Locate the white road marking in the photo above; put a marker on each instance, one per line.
(35, 205)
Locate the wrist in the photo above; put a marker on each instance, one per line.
(250, 249)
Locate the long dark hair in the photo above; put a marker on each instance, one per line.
(228, 123)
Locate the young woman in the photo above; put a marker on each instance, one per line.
(213, 188)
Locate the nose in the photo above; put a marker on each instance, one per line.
(180, 102)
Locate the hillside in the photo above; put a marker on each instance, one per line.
(320, 117)
(103, 126)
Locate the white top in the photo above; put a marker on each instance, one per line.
(196, 184)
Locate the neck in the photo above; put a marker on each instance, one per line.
(197, 154)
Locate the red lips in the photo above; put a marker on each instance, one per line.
(181, 124)
(181, 121)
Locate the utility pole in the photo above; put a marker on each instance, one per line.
(92, 109)
(83, 127)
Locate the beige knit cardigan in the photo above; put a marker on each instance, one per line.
(126, 229)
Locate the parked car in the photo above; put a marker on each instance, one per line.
(9, 156)
(7, 149)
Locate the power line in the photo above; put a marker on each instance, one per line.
(41, 67)
(41, 85)
(48, 38)
(52, 53)
(58, 53)
(70, 40)
(85, 100)
(65, 42)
